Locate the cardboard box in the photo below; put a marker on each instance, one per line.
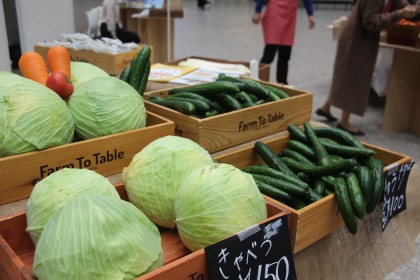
(263, 69)
(113, 64)
(318, 219)
(106, 155)
(17, 250)
(240, 126)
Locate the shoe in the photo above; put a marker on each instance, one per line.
(355, 133)
(328, 116)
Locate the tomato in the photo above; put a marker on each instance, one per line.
(58, 82)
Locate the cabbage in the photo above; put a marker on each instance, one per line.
(215, 202)
(84, 71)
(52, 192)
(32, 116)
(106, 105)
(97, 237)
(155, 174)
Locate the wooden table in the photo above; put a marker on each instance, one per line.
(403, 94)
(153, 29)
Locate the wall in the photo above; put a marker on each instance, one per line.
(4, 45)
(43, 20)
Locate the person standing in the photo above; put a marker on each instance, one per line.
(111, 26)
(357, 49)
(279, 23)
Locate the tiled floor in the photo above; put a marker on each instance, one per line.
(225, 31)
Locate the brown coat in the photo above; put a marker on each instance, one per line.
(357, 49)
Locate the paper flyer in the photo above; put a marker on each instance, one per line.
(165, 73)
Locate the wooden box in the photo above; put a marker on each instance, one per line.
(318, 219)
(106, 155)
(240, 126)
(113, 64)
(263, 69)
(17, 249)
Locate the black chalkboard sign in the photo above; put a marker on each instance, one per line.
(394, 192)
(260, 252)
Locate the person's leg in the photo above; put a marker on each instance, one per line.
(268, 54)
(283, 63)
(345, 124)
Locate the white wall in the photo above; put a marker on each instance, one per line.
(43, 20)
(4, 45)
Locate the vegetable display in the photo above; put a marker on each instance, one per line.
(52, 192)
(321, 161)
(226, 94)
(97, 237)
(155, 174)
(33, 117)
(106, 105)
(214, 202)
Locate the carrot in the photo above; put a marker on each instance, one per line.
(33, 67)
(58, 58)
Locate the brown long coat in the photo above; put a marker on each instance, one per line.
(357, 49)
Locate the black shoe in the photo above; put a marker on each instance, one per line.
(355, 133)
(328, 116)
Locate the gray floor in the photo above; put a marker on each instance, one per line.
(225, 31)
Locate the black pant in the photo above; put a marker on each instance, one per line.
(125, 36)
(283, 58)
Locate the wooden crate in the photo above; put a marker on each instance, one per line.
(113, 64)
(106, 155)
(318, 219)
(263, 69)
(240, 126)
(17, 249)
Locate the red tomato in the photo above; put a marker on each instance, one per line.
(58, 82)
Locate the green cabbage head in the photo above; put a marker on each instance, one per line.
(214, 202)
(52, 192)
(32, 116)
(97, 237)
(106, 105)
(154, 175)
(84, 71)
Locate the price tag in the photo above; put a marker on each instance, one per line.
(394, 192)
(260, 252)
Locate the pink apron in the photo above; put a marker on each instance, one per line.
(279, 22)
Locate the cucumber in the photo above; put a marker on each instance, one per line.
(273, 97)
(200, 105)
(296, 133)
(376, 167)
(311, 197)
(355, 195)
(321, 154)
(144, 79)
(244, 98)
(304, 177)
(332, 168)
(210, 113)
(273, 192)
(338, 134)
(281, 94)
(125, 74)
(346, 151)
(297, 204)
(295, 155)
(192, 95)
(319, 186)
(139, 68)
(344, 205)
(227, 101)
(301, 148)
(270, 157)
(364, 176)
(290, 188)
(209, 89)
(249, 86)
(181, 106)
(268, 171)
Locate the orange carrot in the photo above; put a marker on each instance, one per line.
(33, 67)
(58, 58)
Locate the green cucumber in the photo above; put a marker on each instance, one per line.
(271, 158)
(227, 101)
(311, 197)
(344, 205)
(273, 192)
(355, 195)
(364, 176)
(181, 106)
(200, 105)
(139, 68)
(249, 86)
(144, 79)
(295, 155)
(274, 97)
(302, 148)
(321, 154)
(244, 98)
(332, 168)
(125, 74)
(280, 93)
(376, 167)
(319, 186)
(208, 89)
(296, 133)
(290, 188)
(338, 134)
(346, 151)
